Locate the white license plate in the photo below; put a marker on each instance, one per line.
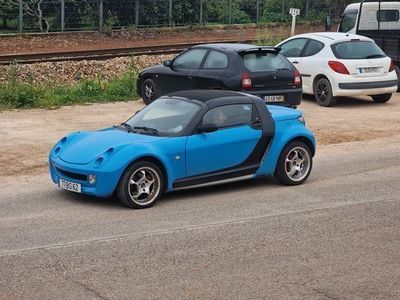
(278, 98)
(70, 186)
(369, 70)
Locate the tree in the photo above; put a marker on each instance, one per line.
(7, 10)
(34, 9)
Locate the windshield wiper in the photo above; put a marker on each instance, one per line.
(127, 126)
(147, 129)
(375, 56)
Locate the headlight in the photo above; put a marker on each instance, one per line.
(301, 119)
(92, 179)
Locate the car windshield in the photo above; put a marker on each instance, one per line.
(357, 50)
(165, 116)
(263, 61)
(348, 22)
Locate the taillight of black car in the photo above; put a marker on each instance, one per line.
(297, 78)
(246, 81)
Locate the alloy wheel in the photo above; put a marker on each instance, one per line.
(297, 164)
(144, 186)
(322, 92)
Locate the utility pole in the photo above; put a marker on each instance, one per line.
(230, 12)
(20, 17)
(101, 20)
(137, 13)
(201, 12)
(62, 15)
(170, 13)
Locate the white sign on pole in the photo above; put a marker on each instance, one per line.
(294, 12)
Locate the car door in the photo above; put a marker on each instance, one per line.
(309, 64)
(183, 71)
(238, 131)
(293, 50)
(214, 71)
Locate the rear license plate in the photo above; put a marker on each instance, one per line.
(70, 186)
(369, 70)
(278, 98)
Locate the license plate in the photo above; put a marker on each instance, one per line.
(70, 186)
(278, 98)
(369, 70)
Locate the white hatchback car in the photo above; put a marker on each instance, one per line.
(336, 64)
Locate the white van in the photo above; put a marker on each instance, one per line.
(378, 20)
(371, 17)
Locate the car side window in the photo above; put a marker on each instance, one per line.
(293, 48)
(190, 59)
(387, 15)
(216, 60)
(313, 47)
(229, 115)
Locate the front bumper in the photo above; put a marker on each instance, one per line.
(292, 96)
(103, 187)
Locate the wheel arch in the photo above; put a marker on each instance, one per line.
(145, 77)
(153, 160)
(304, 140)
(318, 77)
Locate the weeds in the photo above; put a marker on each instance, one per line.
(15, 94)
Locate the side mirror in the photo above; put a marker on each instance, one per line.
(168, 63)
(328, 23)
(205, 128)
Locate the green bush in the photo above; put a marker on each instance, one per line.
(276, 17)
(19, 95)
(15, 94)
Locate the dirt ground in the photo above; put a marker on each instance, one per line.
(141, 37)
(27, 135)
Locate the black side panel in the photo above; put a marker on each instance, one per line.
(215, 176)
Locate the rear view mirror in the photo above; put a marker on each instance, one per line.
(207, 128)
(168, 63)
(328, 23)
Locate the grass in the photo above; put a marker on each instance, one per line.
(15, 94)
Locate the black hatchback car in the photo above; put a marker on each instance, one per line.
(255, 70)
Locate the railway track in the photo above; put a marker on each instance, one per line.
(100, 54)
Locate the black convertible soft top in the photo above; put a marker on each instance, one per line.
(205, 95)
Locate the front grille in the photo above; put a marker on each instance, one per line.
(72, 175)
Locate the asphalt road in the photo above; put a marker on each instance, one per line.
(335, 237)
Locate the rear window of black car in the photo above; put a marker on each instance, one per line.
(263, 61)
(357, 50)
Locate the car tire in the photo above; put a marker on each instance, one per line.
(149, 91)
(323, 93)
(141, 185)
(294, 164)
(383, 98)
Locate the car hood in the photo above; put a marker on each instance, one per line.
(280, 113)
(154, 69)
(84, 147)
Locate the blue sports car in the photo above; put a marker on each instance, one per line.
(184, 140)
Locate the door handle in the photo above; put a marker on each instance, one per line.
(190, 77)
(256, 124)
(295, 62)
